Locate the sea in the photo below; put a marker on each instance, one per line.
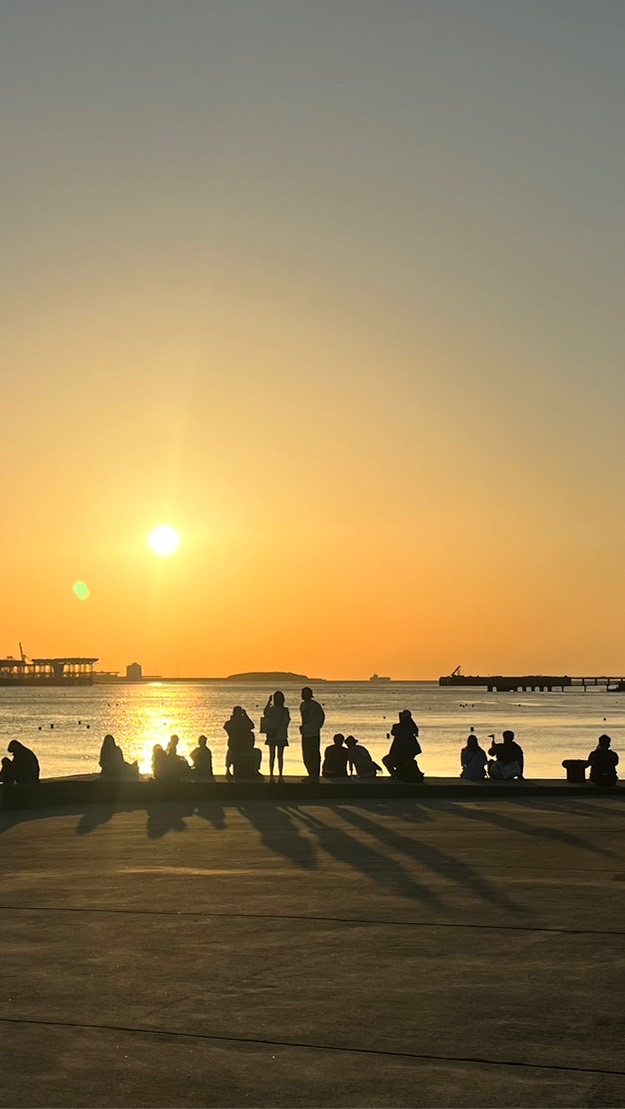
(65, 727)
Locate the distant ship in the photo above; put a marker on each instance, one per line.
(46, 671)
(378, 678)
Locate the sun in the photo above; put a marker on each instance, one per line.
(164, 540)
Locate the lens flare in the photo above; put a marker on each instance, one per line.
(81, 590)
(164, 540)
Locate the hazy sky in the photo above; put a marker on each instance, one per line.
(334, 287)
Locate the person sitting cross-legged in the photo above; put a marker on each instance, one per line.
(508, 758)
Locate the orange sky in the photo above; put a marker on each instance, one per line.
(334, 295)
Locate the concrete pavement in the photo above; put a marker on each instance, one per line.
(366, 953)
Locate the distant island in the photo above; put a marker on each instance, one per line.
(273, 676)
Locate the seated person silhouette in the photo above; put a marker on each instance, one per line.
(112, 762)
(6, 772)
(473, 760)
(401, 761)
(174, 767)
(335, 758)
(159, 761)
(24, 764)
(243, 759)
(603, 763)
(508, 758)
(202, 759)
(359, 760)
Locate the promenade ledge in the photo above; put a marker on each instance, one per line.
(92, 789)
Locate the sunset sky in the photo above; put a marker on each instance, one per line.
(334, 288)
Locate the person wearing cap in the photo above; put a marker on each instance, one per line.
(313, 719)
(359, 760)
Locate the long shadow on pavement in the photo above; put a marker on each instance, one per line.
(374, 864)
(162, 818)
(280, 833)
(432, 857)
(515, 824)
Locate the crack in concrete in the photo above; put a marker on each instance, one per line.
(304, 1045)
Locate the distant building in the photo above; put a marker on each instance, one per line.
(134, 672)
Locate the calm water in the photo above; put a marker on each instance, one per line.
(549, 726)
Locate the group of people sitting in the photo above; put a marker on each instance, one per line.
(507, 761)
(169, 766)
(347, 757)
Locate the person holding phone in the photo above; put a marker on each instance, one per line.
(275, 724)
(507, 762)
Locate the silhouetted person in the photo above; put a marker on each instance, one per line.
(112, 762)
(174, 766)
(7, 776)
(202, 758)
(25, 764)
(172, 746)
(313, 719)
(243, 759)
(603, 763)
(473, 760)
(401, 761)
(335, 758)
(276, 719)
(507, 762)
(359, 760)
(159, 761)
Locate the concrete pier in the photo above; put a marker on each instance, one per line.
(363, 952)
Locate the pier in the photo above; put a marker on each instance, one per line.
(46, 671)
(533, 683)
